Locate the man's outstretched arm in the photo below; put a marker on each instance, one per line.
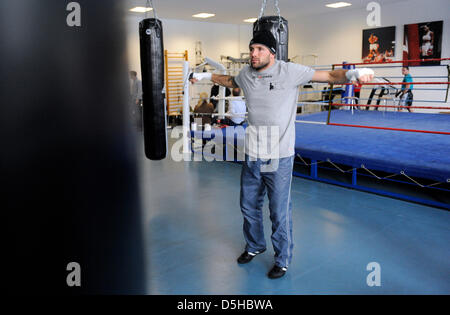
(341, 76)
(224, 80)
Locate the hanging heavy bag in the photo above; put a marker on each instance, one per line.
(152, 70)
(278, 26)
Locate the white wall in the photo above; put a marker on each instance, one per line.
(334, 37)
(337, 37)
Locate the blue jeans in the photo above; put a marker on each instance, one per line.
(273, 177)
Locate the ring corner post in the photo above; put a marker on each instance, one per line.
(349, 92)
(448, 80)
(330, 99)
(186, 108)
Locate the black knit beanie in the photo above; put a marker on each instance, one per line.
(265, 38)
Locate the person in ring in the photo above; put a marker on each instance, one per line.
(405, 94)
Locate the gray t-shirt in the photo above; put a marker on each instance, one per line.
(271, 97)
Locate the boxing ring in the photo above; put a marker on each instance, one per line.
(418, 159)
(386, 152)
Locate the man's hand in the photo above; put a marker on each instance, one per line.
(362, 75)
(195, 77)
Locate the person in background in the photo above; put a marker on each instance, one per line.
(236, 109)
(405, 94)
(215, 92)
(205, 108)
(136, 99)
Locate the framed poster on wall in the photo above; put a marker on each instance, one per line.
(378, 44)
(422, 41)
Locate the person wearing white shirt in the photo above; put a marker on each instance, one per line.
(236, 109)
(136, 99)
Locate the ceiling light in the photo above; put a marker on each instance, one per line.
(203, 15)
(338, 5)
(140, 9)
(251, 20)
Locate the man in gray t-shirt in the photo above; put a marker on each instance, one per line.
(271, 88)
(271, 95)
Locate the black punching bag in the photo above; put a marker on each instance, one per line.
(152, 70)
(278, 26)
(68, 162)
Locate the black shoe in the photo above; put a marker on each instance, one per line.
(277, 272)
(246, 257)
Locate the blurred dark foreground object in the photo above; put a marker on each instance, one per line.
(68, 165)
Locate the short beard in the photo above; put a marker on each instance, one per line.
(260, 67)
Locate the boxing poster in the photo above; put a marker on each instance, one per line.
(378, 44)
(423, 41)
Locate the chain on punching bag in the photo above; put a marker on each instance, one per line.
(152, 70)
(278, 26)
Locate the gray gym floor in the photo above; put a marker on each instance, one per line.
(193, 233)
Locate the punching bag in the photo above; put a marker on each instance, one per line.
(152, 70)
(278, 26)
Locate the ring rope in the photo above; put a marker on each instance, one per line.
(328, 67)
(418, 89)
(397, 83)
(418, 76)
(396, 99)
(313, 103)
(311, 122)
(388, 128)
(390, 67)
(390, 62)
(391, 106)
